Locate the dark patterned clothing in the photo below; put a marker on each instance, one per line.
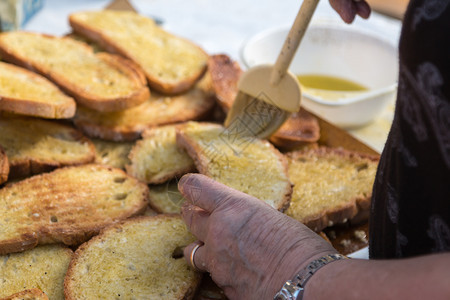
(411, 198)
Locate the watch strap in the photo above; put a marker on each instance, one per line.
(294, 289)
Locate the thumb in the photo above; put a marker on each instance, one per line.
(209, 194)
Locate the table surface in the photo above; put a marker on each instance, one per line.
(223, 27)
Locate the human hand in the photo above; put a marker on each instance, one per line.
(348, 9)
(250, 249)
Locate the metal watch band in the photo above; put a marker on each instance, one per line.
(294, 289)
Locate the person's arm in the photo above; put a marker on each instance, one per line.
(425, 277)
(251, 250)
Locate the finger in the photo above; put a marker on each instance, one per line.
(345, 8)
(208, 194)
(363, 9)
(196, 219)
(197, 261)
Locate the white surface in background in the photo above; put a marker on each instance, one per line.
(360, 254)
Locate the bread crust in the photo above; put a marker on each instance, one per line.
(78, 221)
(4, 166)
(25, 242)
(29, 165)
(129, 124)
(344, 212)
(201, 163)
(34, 108)
(30, 294)
(112, 46)
(301, 127)
(94, 101)
(163, 175)
(225, 74)
(139, 96)
(190, 291)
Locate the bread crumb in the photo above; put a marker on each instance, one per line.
(360, 235)
(345, 243)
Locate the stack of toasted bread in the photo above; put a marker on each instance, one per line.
(92, 140)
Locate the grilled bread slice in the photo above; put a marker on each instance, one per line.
(158, 110)
(25, 92)
(157, 158)
(247, 164)
(149, 212)
(43, 267)
(330, 185)
(4, 166)
(114, 154)
(301, 127)
(225, 74)
(140, 258)
(166, 198)
(95, 47)
(68, 205)
(34, 145)
(31, 294)
(101, 81)
(171, 64)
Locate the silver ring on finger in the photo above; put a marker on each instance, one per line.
(198, 245)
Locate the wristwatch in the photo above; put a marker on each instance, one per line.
(294, 289)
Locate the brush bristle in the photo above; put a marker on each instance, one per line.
(255, 116)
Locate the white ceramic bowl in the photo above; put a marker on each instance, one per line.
(340, 50)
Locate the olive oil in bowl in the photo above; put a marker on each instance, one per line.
(329, 87)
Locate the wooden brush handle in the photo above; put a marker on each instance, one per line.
(293, 40)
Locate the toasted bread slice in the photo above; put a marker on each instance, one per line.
(95, 47)
(114, 154)
(68, 205)
(4, 166)
(43, 267)
(139, 258)
(157, 158)
(300, 128)
(248, 164)
(101, 81)
(34, 145)
(225, 74)
(166, 198)
(149, 212)
(171, 64)
(158, 110)
(31, 294)
(27, 93)
(330, 185)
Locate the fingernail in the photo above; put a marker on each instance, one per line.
(190, 186)
(183, 181)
